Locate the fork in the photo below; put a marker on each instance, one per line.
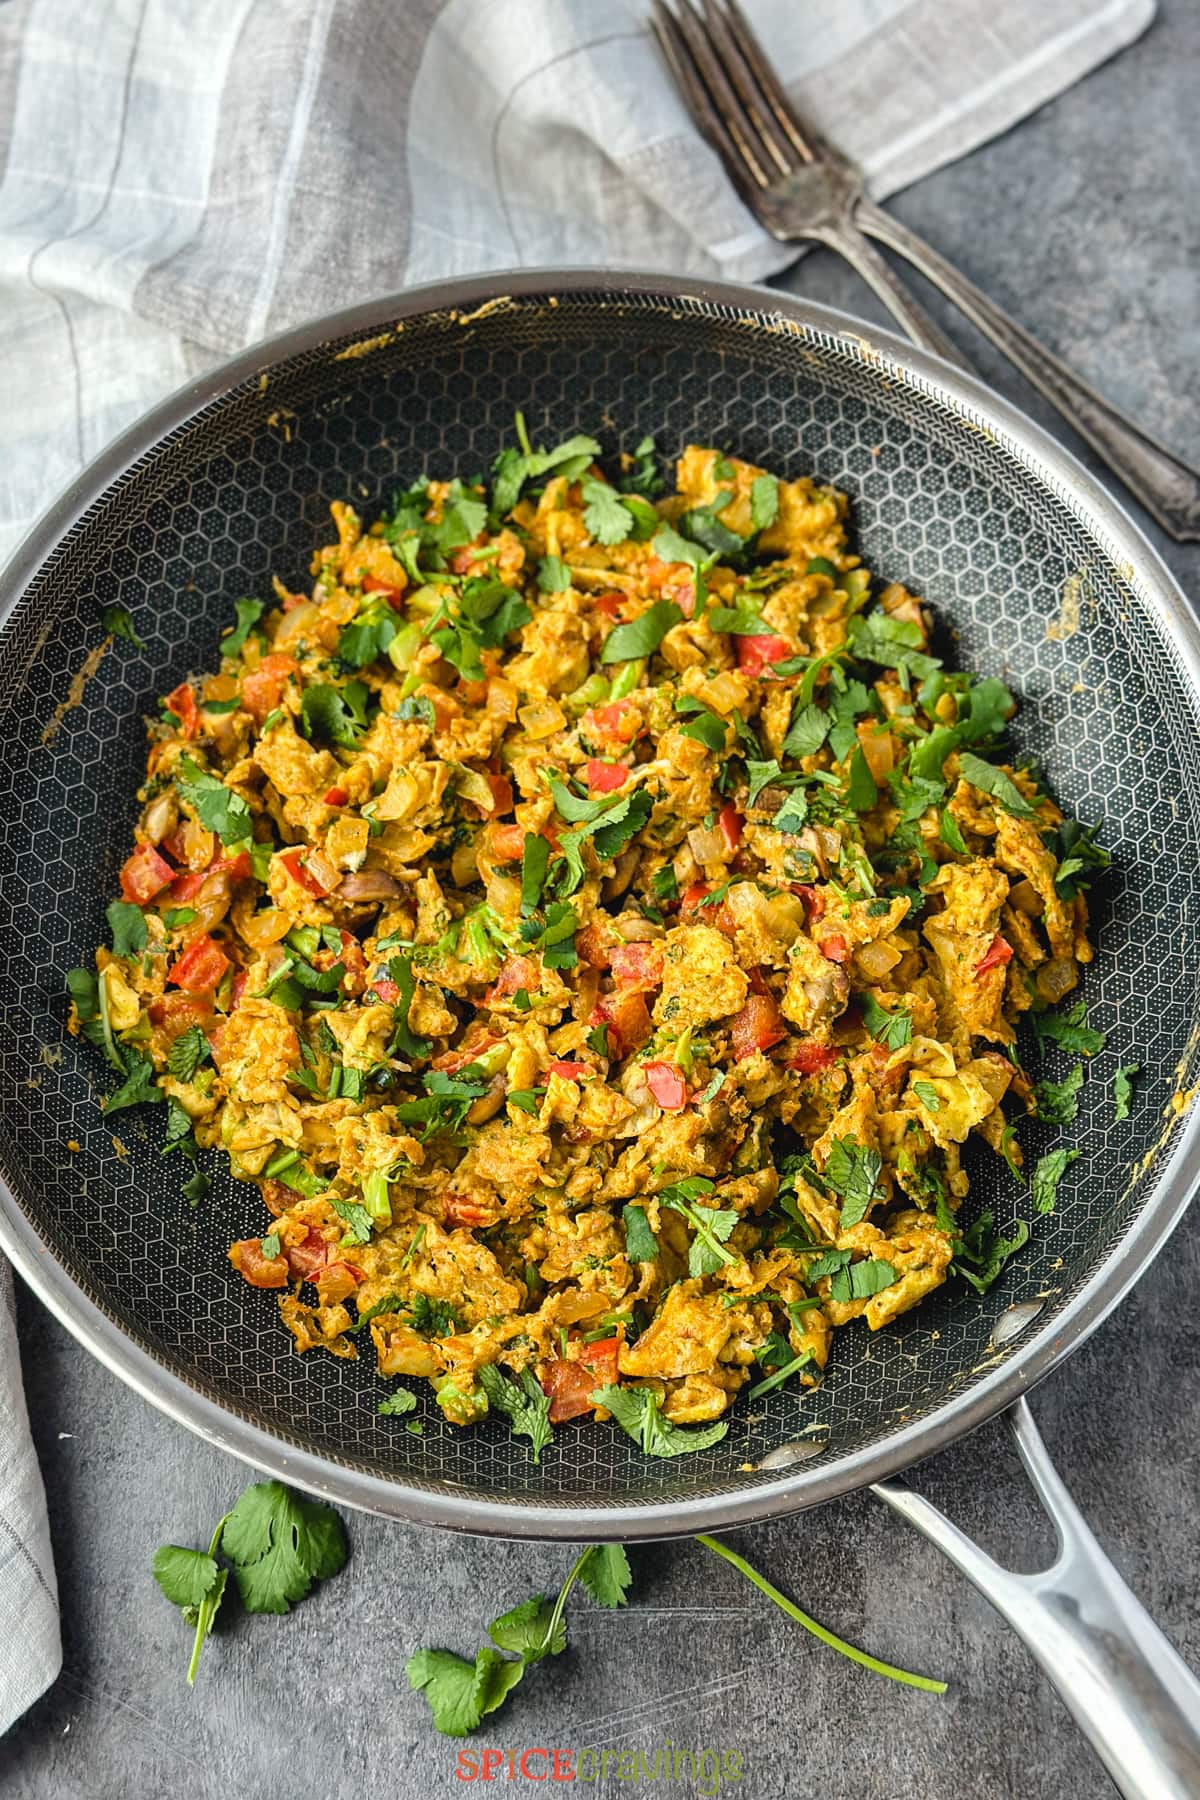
(801, 189)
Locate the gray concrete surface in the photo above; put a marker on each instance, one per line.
(1084, 222)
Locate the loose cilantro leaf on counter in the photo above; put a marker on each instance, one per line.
(637, 1411)
(277, 1542)
(523, 1403)
(1046, 1176)
(280, 1543)
(461, 1694)
(826, 1636)
(606, 1575)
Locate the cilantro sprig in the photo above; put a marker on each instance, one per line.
(275, 1543)
(461, 1694)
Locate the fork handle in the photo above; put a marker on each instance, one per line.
(1168, 487)
(858, 250)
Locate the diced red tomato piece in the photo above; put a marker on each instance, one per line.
(277, 1197)
(386, 990)
(186, 887)
(756, 1027)
(609, 602)
(296, 864)
(813, 898)
(459, 1213)
(809, 1057)
(309, 1255)
(238, 868)
(237, 988)
(638, 967)
(618, 722)
(754, 654)
(505, 843)
(605, 777)
(393, 595)
(518, 972)
(502, 792)
(175, 1013)
(337, 796)
(730, 822)
(666, 1084)
(259, 1270)
(998, 952)
(200, 968)
(570, 1071)
(570, 1383)
(182, 702)
(627, 1017)
(263, 689)
(835, 948)
(145, 874)
(693, 909)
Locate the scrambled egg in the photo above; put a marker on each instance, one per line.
(591, 922)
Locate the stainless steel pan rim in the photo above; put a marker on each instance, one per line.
(814, 1483)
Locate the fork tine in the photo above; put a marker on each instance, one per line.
(808, 145)
(741, 74)
(674, 47)
(711, 93)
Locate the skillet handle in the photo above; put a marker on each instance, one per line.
(1129, 1689)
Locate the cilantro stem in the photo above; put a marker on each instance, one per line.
(802, 1618)
(560, 1605)
(206, 1611)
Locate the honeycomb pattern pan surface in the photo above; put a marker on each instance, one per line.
(1036, 575)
